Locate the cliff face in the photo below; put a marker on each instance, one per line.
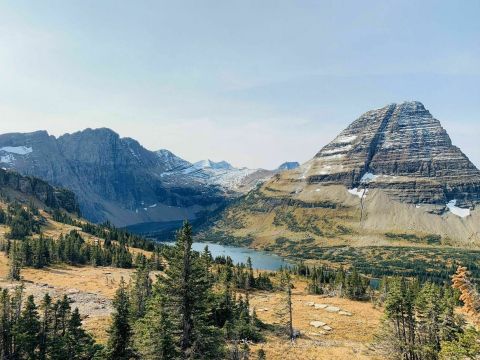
(402, 150)
(12, 182)
(114, 178)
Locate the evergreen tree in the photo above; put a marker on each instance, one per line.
(141, 289)
(46, 327)
(466, 347)
(154, 338)
(15, 263)
(26, 331)
(80, 345)
(187, 289)
(5, 325)
(120, 332)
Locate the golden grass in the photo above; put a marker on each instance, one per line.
(349, 338)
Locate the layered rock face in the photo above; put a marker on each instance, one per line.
(117, 179)
(400, 149)
(114, 178)
(14, 184)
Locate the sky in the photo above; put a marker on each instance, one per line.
(255, 83)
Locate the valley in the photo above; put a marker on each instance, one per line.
(315, 261)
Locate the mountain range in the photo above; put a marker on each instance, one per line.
(118, 180)
(394, 170)
(392, 177)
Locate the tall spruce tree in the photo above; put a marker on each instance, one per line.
(153, 337)
(80, 344)
(26, 331)
(140, 291)
(120, 332)
(186, 289)
(46, 327)
(15, 263)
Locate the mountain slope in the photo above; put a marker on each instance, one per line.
(117, 179)
(114, 178)
(234, 181)
(26, 189)
(392, 175)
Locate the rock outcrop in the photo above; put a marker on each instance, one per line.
(28, 188)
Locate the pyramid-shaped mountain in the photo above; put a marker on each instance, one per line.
(394, 170)
(402, 149)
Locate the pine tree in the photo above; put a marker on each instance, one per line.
(141, 289)
(286, 311)
(153, 336)
(15, 263)
(467, 346)
(261, 355)
(120, 332)
(187, 290)
(80, 345)
(61, 311)
(26, 331)
(46, 327)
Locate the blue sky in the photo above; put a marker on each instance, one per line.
(255, 83)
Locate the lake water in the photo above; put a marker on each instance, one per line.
(260, 259)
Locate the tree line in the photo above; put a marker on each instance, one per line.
(421, 322)
(51, 330)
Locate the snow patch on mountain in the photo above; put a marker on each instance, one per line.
(368, 177)
(358, 192)
(454, 209)
(19, 150)
(7, 159)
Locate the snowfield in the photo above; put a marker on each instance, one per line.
(454, 209)
(19, 150)
(358, 192)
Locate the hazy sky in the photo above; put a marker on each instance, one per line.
(255, 82)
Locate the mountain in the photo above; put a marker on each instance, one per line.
(392, 174)
(401, 149)
(114, 178)
(234, 181)
(289, 165)
(118, 180)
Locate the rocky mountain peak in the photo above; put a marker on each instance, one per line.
(405, 151)
(289, 165)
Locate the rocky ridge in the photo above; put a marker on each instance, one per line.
(117, 179)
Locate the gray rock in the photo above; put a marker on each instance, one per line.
(332, 309)
(317, 324)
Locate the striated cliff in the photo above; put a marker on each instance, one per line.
(21, 187)
(400, 149)
(394, 170)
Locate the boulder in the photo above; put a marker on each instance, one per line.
(317, 324)
(332, 309)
